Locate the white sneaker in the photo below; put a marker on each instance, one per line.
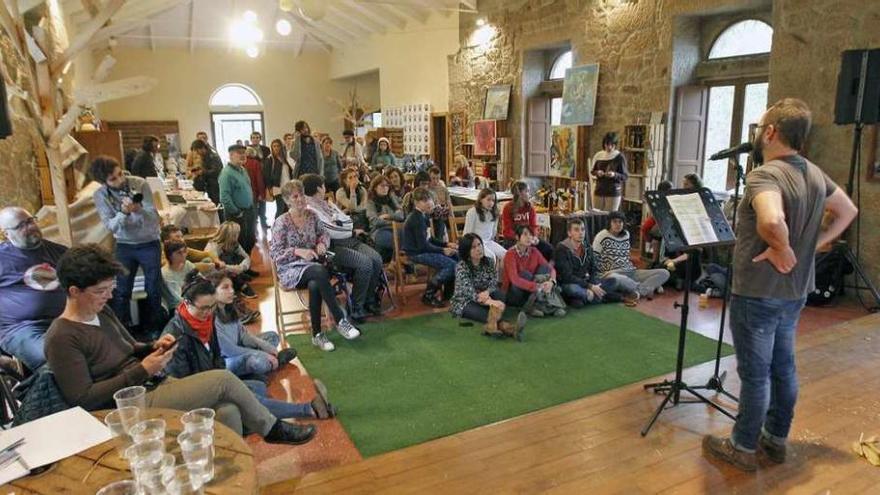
(659, 290)
(347, 330)
(322, 342)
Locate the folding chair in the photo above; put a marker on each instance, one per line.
(288, 319)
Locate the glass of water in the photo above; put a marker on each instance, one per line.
(149, 452)
(132, 396)
(180, 480)
(198, 452)
(114, 421)
(148, 473)
(124, 487)
(198, 420)
(150, 429)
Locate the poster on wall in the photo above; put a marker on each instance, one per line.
(563, 151)
(484, 138)
(579, 95)
(497, 102)
(415, 120)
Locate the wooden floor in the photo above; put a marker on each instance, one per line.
(593, 445)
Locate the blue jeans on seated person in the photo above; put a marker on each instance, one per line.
(279, 408)
(255, 362)
(763, 337)
(576, 291)
(26, 343)
(445, 265)
(519, 297)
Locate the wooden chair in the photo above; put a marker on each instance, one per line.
(401, 259)
(456, 221)
(288, 318)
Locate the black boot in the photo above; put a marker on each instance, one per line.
(430, 296)
(448, 290)
(291, 434)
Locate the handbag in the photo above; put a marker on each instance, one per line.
(39, 396)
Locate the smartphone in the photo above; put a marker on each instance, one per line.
(173, 346)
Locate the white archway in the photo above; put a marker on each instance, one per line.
(236, 111)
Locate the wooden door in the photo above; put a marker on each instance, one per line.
(538, 162)
(691, 111)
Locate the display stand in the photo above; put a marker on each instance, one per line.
(676, 236)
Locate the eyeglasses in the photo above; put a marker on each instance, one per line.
(24, 223)
(204, 309)
(100, 291)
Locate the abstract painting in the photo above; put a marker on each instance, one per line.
(497, 102)
(563, 151)
(484, 137)
(579, 95)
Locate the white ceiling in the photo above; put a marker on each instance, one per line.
(195, 24)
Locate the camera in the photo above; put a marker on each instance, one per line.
(137, 198)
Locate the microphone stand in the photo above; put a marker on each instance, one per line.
(716, 382)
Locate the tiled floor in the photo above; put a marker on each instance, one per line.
(332, 447)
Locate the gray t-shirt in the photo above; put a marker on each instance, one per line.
(803, 187)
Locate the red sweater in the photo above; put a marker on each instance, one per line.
(524, 216)
(254, 169)
(514, 264)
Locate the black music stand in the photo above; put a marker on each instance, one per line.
(673, 236)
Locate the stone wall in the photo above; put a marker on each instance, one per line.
(634, 43)
(18, 168)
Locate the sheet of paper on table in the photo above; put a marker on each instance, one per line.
(691, 214)
(51, 439)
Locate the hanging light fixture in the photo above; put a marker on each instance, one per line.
(252, 51)
(283, 27)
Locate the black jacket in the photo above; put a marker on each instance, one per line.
(272, 171)
(191, 356)
(571, 269)
(209, 180)
(143, 165)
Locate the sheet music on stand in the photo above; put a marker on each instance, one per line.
(689, 219)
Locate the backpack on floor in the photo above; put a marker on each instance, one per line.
(831, 268)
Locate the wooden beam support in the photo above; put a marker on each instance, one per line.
(130, 19)
(83, 39)
(192, 26)
(376, 13)
(319, 36)
(413, 12)
(471, 4)
(370, 21)
(91, 7)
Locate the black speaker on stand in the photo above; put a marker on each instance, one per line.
(858, 102)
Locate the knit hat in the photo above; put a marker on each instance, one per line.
(386, 142)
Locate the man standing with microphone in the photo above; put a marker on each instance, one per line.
(777, 235)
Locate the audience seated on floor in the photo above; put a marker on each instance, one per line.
(527, 273)
(424, 250)
(30, 296)
(350, 253)
(383, 208)
(93, 356)
(482, 219)
(171, 232)
(299, 251)
(612, 247)
(477, 296)
(198, 350)
(577, 271)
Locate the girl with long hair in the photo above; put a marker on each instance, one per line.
(521, 212)
(277, 172)
(225, 246)
(383, 208)
(482, 219)
(352, 198)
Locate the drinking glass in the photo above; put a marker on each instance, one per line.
(124, 487)
(150, 429)
(130, 416)
(113, 420)
(132, 396)
(149, 452)
(180, 480)
(149, 474)
(198, 420)
(198, 452)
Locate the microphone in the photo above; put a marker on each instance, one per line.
(729, 152)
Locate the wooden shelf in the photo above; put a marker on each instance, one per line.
(636, 150)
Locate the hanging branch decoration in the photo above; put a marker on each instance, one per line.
(352, 110)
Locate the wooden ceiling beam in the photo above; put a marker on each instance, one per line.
(87, 34)
(192, 26)
(319, 36)
(371, 23)
(374, 14)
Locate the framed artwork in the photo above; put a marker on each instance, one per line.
(579, 95)
(497, 102)
(563, 151)
(484, 137)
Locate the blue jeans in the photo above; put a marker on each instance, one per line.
(445, 265)
(279, 408)
(26, 343)
(146, 256)
(763, 336)
(575, 291)
(255, 362)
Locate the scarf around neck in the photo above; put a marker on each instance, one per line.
(202, 328)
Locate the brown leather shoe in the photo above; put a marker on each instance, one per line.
(721, 448)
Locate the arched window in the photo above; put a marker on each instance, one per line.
(560, 65)
(749, 37)
(235, 95)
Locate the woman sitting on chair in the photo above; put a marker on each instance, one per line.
(477, 296)
(299, 243)
(383, 208)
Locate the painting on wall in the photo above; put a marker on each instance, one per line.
(579, 95)
(563, 151)
(484, 137)
(497, 102)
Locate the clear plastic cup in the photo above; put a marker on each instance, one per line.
(130, 416)
(149, 452)
(180, 480)
(198, 452)
(124, 487)
(113, 420)
(150, 429)
(148, 474)
(198, 420)
(132, 396)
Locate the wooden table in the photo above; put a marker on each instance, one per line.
(234, 468)
(468, 195)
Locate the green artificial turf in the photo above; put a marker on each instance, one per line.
(406, 381)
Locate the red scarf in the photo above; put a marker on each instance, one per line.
(202, 328)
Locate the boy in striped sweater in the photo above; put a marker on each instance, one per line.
(612, 248)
